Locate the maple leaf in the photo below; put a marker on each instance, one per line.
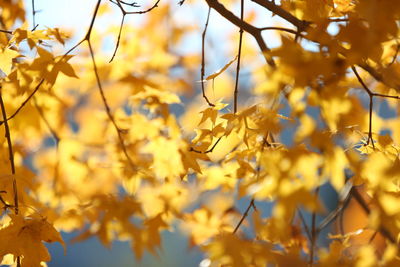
(211, 113)
(23, 238)
(6, 59)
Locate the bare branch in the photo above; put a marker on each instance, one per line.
(371, 102)
(254, 31)
(34, 15)
(303, 222)
(10, 152)
(314, 232)
(119, 3)
(207, 151)
(203, 37)
(108, 110)
(281, 29)
(277, 10)
(245, 214)
(133, 4)
(51, 129)
(24, 103)
(5, 31)
(118, 38)
(377, 76)
(236, 91)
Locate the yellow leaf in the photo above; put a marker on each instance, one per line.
(6, 58)
(23, 238)
(214, 75)
(209, 113)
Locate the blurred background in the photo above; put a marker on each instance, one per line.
(75, 16)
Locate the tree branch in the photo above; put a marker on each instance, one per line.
(385, 232)
(254, 31)
(202, 71)
(277, 10)
(239, 56)
(10, 153)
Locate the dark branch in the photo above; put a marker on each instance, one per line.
(10, 153)
(45, 120)
(133, 4)
(254, 31)
(277, 10)
(24, 103)
(203, 38)
(207, 151)
(357, 196)
(124, 13)
(145, 11)
(34, 15)
(118, 38)
(236, 91)
(5, 31)
(108, 110)
(281, 29)
(371, 103)
(245, 214)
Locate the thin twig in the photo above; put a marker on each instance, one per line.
(118, 38)
(99, 85)
(385, 232)
(124, 13)
(362, 82)
(386, 96)
(133, 4)
(378, 76)
(245, 214)
(56, 138)
(257, 176)
(33, 15)
(371, 102)
(89, 32)
(53, 133)
(303, 221)
(344, 200)
(280, 29)
(370, 139)
(25, 102)
(108, 110)
(372, 237)
(338, 19)
(207, 151)
(145, 11)
(236, 91)
(395, 54)
(10, 153)
(314, 233)
(203, 37)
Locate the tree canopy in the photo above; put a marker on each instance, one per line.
(164, 114)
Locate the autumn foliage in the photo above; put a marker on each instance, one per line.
(127, 138)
